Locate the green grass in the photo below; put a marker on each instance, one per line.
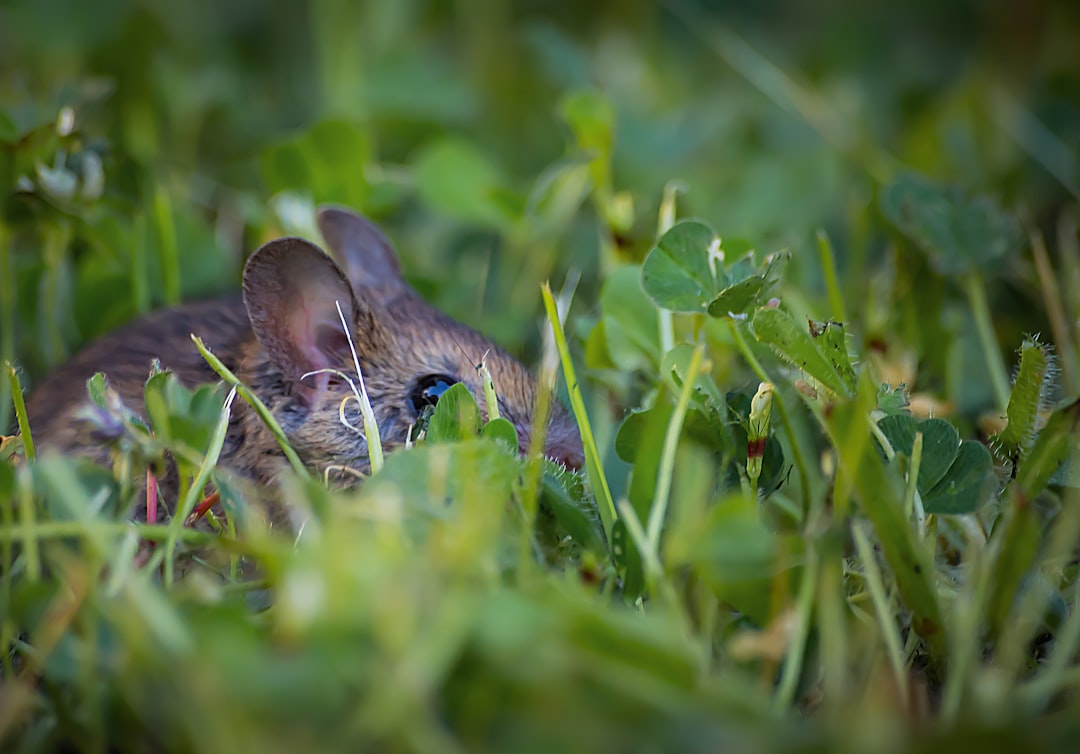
(897, 569)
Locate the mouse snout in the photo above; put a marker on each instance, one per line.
(572, 457)
(563, 444)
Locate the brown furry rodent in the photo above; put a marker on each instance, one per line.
(287, 325)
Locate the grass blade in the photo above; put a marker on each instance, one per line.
(671, 443)
(593, 466)
(20, 411)
(881, 496)
(828, 268)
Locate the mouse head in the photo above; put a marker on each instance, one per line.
(296, 297)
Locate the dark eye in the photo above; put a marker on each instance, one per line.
(427, 390)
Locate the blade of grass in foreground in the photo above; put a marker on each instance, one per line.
(20, 411)
(881, 498)
(593, 467)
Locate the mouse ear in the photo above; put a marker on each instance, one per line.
(291, 288)
(366, 254)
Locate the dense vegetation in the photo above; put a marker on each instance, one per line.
(846, 239)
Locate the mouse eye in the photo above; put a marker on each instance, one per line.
(427, 390)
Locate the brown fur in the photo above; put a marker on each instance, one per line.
(287, 325)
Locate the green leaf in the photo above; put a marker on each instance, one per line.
(707, 419)
(457, 178)
(706, 393)
(648, 429)
(954, 477)
(748, 286)
(832, 339)
(456, 416)
(893, 400)
(958, 233)
(596, 349)
(941, 448)
(195, 414)
(629, 436)
(969, 482)
(466, 473)
(157, 405)
(181, 415)
(502, 431)
(630, 321)
(96, 388)
(776, 328)
(941, 444)
(685, 270)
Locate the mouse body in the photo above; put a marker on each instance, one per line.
(286, 326)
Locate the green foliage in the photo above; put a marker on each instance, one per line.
(628, 336)
(687, 271)
(958, 233)
(181, 416)
(906, 550)
(456, 416)
(456, 178)
(953, 476)
(329, 161)
(777, 328)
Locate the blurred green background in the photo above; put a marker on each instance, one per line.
(147, 147)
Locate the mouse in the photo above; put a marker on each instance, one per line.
(276, 336)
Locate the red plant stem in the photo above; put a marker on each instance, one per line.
(151, 497)
(200, 510)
